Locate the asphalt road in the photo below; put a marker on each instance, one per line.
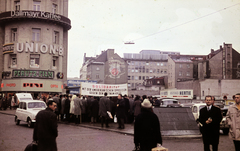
(75, 138)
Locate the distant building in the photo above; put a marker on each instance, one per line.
(107, 68)
(146, 65)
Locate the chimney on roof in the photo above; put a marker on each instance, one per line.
(220, 47)
(212, 51)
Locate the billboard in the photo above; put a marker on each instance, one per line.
(177, 94)
(92, 89)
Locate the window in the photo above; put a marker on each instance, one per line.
(17, 5)
(129, 77)
(36, 6)
(136, 70)
(34, 61)
(150, 71)
(133, 85)
(132, 69)
(54, 8)
(158, 70)
(147, 63)
(147, 77)
(139, 77)
(13, 59)
(97, 69)
(188, 65)
(180, 66)
(132, 77)
(146, 70)
(143, 70)
(36, 33)
(143, 77)
(187, 74)
(180, 73)
(56, 37)
(54, 65)
(165, 71)
(14, 34)
(97, 76)
(140, 70)
(157, 64)
(129, 84)
(136, 77)
(161, 64)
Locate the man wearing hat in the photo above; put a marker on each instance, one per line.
(147, 128)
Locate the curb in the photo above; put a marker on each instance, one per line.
(123, 132)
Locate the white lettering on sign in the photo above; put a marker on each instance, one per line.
(34, 47)
(36, 14)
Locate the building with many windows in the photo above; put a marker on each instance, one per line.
(34, 45)
(146, 65)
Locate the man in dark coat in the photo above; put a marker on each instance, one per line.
(120, 112)
(104, 107)
(210, 118)
(147, 128)
(45, 130)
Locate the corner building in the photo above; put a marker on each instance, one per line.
(33, 46)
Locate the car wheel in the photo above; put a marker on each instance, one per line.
(29, 122)
(17, 121)
(225, 131)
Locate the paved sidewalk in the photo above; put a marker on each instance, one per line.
(113, 127)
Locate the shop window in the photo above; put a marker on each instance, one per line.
(56, 37)
(36, 5)
(34, 61)
(14, 34)
(36, 34)
(54, 8)
(13, 61)
(55, 62)
(17, 5)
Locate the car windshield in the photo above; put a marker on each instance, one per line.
(36, 105)
(169, 102)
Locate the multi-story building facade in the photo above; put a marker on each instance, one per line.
(146, 65)
(107, 68)
(34, 46)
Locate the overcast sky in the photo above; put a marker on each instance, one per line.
(185, 26)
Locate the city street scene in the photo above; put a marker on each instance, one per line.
(130, 75)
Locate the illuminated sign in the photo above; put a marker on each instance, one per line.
(31, 85)
(41, 74)
(36, 14)
(10, 84)
(35, 48)
(8, 48)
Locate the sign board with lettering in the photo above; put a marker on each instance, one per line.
(78, 82)
(177, 94)
(92, 89)
(39, 74)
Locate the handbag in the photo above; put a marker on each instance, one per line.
(32, 146)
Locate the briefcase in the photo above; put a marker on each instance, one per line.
(159, 149)
(31, 147)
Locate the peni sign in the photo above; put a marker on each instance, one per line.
(92, 89)
(39, 74)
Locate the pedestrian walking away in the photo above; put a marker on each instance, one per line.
(210, 118)
(120, 112)
(147, 134)
(45, 130)
(233, 120)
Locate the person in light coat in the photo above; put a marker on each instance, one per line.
(71, 111)
(77, 109)
(233, 120)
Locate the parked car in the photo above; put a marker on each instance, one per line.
(186, 105)
(196, 110)
(223, 125)
(28, 109)
(166, 102)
